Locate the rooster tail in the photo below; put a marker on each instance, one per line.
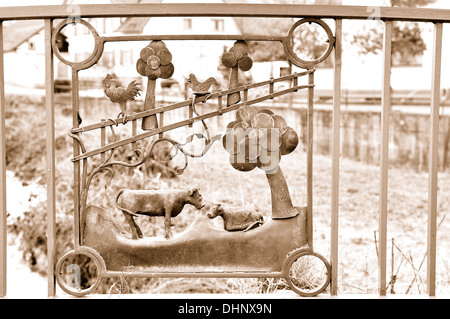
(133, 89)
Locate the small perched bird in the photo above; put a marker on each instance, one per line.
(200, 87)
(119, 94)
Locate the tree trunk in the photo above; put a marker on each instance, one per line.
(281, 199)
(150, 122)
(233, 83)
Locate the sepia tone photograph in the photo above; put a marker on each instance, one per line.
(224, 149)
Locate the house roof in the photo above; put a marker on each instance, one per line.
(19, 32)
(136, 24)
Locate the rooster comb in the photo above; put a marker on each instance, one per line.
(107, 78)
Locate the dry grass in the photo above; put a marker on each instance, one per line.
(219, 182)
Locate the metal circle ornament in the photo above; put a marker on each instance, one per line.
(307, 273)
(92, 58)
(80, 272)
(289, 41)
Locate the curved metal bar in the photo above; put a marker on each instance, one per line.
(79, 140)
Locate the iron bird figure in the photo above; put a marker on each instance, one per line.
(119, 94)
(200, 87)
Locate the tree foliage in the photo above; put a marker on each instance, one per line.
(411, 4)
(407, 39)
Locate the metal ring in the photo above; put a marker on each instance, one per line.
(293, 257)
(288, 49)
(89, 61)
(95, 257)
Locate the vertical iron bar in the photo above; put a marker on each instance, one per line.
(161, 123)
(309, 160)
(271, 86)
(434, 160)
(3, 229)
(335, 157)
(384, 156)
(219, 101)
(77, 164)
(103, 139)
(50, 147)
(134, 132)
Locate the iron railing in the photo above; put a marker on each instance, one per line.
(338, 13)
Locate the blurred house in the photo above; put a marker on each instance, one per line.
(24, 50)
(24, 47)
(199, 57)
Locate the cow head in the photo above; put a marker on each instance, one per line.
(216, 210)
(195, 198)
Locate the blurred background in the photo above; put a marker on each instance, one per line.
(360, 133)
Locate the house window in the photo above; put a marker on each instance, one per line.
(62, 44)
(108, 59)
(31, 46)
(126, 57)
(187, 24)
(218, 24)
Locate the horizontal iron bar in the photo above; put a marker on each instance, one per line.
(211, 274)
(220, 37)
(226, 10)
(171, 107)
(182, 123)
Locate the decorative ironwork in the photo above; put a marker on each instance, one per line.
(280, 246)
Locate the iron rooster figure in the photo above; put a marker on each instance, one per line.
(119, 94)
(200, 88)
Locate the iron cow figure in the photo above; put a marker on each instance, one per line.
(167, 203)
(236, 218)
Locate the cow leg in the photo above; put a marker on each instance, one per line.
(135, 229)
(167, 222)
(251, 225)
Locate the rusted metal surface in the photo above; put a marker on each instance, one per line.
(51, 152)
(236, 59)
(236, 218)
(120, 95)
(82, 156)
(155, 62)
(257, 138)
(200, 248)
(225, 10)
(200, 87)
(164, 203)
(334, 242)
(433, 155)
(386, 106)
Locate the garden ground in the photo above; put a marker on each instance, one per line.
(358, 223)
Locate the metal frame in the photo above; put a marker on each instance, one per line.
(227, 10)
(82, 179)
(339, 13)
